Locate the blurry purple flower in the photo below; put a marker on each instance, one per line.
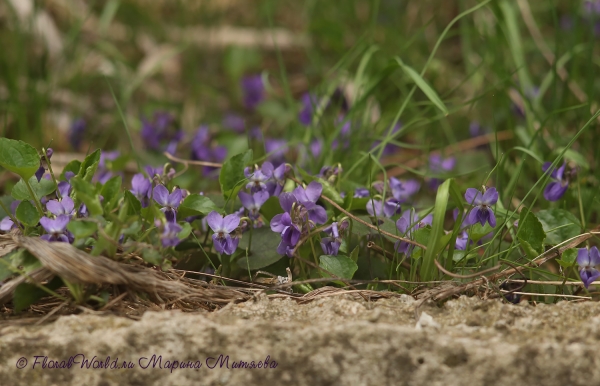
(57, 229)
(316, 147)
(253, 202)
(403, 190)
(253, 90)
(557, 188)
(6, 224)
(277, 182)
(159, 129)
(234, 122)
(439, 165)
(407, 224)
(169, 202)
(169, 236)
(309, 103)
(64, 206)
(103, 173)
(223, 226)
(204, 150)
(462, 240)
(591, 7)
(76, 133)
(475, 129)
(361, 193)
(481, 212)
(588, 259)
(389, 149)
(140, 187)
(276, 149)
(258, 177)
(377, 208)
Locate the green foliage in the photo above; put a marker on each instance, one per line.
(27, 214)
(232, 173)
(27, 294)
(340, 266)
(82, 229)
(531, 233)
(196, 204)
(40, 189)
(89, 165)
(568, 258)
(86, 192)
(263, 251)
(559, 225)
(19, 157)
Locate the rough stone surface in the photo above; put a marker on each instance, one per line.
(332, 341)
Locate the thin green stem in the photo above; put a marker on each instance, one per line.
(35, 199)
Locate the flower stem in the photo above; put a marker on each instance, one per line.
(35, 199)
(51, 173)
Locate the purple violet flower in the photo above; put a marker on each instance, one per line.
(169, 236)
(57, 229)
(309, 103)
(588, 259)
(462, 240)
(301, 213)
(557, 188)
(42, 169)
(361, 193)
(169, 202)
(76, 133)
(204, 150)
(439, 165)
(331, 245)
(140, 188)
(159, 129)
(253, 202)
(6, 225)
(407, 224)
(481, 212)
(253, 90)
(276, 149)
(223, 226)
(258, 177)
(234, 122)
(64, 206)
(277, 182)
(403, 190)
(377, 208)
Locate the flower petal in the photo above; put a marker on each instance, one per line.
(175, 198)
(230, 222)
(247, 200)
(313, 191)
(554, 191)
(490, 197)
(68, 204)
(472, 196)
(472, 217)
(594, 256)
(161, 195)
(54, 207)
(583, 257)
(318, 215)
(215, 221)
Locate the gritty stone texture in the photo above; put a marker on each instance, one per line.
(332, 341)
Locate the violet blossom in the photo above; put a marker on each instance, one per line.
(301, 213)
(439, 165)
(462, 240)
(223, 227)
(277, 182)
(402, 190)
(253, 202)
(64, 206)
(161, 129)
(258, 177)
(407, 224)
(140, 188)
(42, 169)
(169, 202)
(361, 193)
(169, 237)
(481, 212)
(331, 244)
(253, 90)
(588, 259)
(103, 173)
(76, 133)
(7, 224)
(309, 103)
(57, 229)
(276, 150)
(234, 122)
(203, 149)
(387, 208)
(560, 182)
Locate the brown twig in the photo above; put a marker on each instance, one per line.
(476, 274)
(190, 162)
